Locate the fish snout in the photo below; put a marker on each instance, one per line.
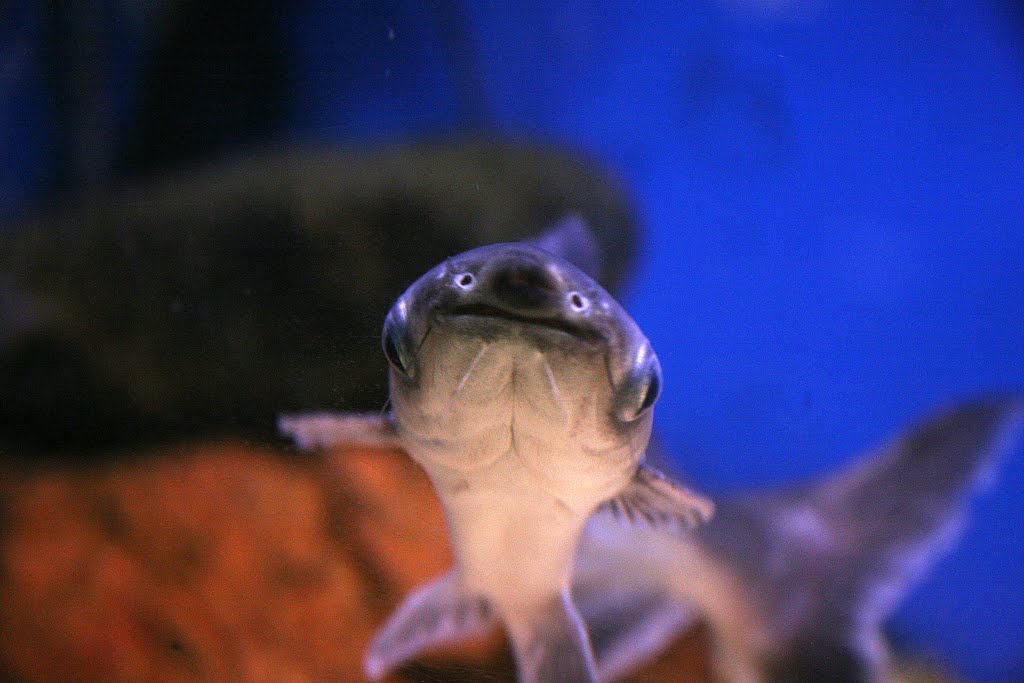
(523, 286)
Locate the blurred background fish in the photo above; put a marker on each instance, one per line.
(796, 581)
(207, 210)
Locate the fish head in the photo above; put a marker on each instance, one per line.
(511, 346)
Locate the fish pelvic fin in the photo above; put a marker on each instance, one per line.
(627, 625)
(654, 501)
(436, 613)
(551, 643)
(323, 430)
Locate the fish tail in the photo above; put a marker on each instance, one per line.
(551, 643)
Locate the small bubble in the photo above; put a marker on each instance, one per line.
(391, 34)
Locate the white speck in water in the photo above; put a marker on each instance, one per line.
(391, 34)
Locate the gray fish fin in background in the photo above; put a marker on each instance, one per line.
(551, 644)
(654, 501)
(572, 239)
(436, 613)
(893, 514)
(828, 562)
(626, 624)
(323, 430)
(796, 582)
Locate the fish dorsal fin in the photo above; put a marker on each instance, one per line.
(654, 501)
(436, 613)
(572, 239)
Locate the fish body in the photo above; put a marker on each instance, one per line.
(796, 582)
(525, 392)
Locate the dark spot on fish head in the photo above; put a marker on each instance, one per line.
(522, 284)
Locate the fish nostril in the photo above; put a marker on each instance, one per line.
(524, 285)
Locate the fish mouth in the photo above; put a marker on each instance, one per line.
(550, 322)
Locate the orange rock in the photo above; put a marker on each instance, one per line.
(230, 561)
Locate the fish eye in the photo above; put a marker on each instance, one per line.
(641, 390)
(393, 350)
(653, 390)
(465, 280)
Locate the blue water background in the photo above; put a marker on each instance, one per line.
(833, 200)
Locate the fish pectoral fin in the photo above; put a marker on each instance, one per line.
(628, 626)
(436, 613)
(655, 501)
(551, 644)
(322, 430)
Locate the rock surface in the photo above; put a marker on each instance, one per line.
(204, 303)
(228, 561)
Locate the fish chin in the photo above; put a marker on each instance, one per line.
(544, 407)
